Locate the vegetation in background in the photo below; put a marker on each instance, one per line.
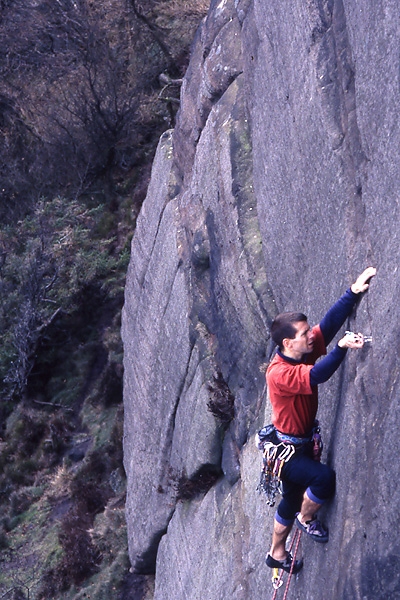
(86, 89)
(222, 402)
(198, 484)
(60, 271)
(62, 280)
(80, 97)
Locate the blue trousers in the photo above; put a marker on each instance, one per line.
(303, 473)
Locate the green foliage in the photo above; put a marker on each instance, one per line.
(82, 107)
(55, 524)
(57, 264)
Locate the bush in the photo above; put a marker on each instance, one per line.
(4, 544)
(222, 401)
(20, 501)
(81, 559)
(199, 483)
(28, 433)
(57, 278)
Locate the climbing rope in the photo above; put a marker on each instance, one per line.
(277, 580)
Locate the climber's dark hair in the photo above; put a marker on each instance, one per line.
(283, 326)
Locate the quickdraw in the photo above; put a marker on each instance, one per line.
(274, 458)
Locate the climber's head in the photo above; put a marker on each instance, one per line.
(292, 333)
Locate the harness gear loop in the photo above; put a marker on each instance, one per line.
(274, 458)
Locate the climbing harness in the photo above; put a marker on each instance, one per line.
(277, 574)
(278, 448)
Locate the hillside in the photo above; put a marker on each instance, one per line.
(86, 90)
(276, 187)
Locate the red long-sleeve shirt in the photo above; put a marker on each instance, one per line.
(294, 401)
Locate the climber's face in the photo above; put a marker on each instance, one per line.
(302, 343)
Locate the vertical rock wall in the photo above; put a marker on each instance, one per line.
(277, 187)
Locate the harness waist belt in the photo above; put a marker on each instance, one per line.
(291, 439)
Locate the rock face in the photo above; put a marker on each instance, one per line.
(277, 187)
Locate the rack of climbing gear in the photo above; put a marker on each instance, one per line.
(274, 458)
(277, 574)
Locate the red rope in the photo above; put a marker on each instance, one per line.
(298, 535)
(276, 587)
(296, 538)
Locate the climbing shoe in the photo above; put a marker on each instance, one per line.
(286, 564)
(314, 529)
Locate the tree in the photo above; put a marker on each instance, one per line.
(79, 94)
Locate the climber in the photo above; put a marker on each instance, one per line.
(292, 380)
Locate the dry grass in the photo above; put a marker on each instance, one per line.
(60, 484)
(222, 401)
(185, 8)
